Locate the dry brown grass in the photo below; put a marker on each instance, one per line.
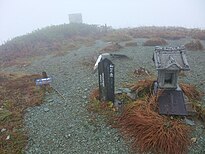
(111, 48)
(94, 94)
(191, 91)
(150, 131)
(155, 42)
(198, 34)
(117, 36)
(140, 123)
(194, 45)
(89, 61)
(194, 96)
(141, 71)
(172, 33)
(143, 87)
(131, 44)
(95, 106)
(17, 92)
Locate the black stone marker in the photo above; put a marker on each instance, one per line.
(171, 102)
(106, 80)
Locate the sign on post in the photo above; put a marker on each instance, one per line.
(106, 80)
(43, 81)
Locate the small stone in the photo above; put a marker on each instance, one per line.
(8, 137)
(86, 89)
(46, 109)
(3, 130)
(50, 100)
(189, 122)
(36, 149)
(133, 96)
(193, 139)
(125, 90)
(68, 136)
(118, 92)
(84, 97)
(70, 126)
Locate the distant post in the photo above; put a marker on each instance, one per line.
(43, 81)
(106, 80)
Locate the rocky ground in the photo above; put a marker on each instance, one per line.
(65, 126)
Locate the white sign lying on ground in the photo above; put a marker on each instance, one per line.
(42, 81)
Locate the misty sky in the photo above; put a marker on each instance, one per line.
(18, 17)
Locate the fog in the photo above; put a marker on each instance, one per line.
(18, 17)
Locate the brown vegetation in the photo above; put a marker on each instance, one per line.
(143, 87)
(17, 92)
(131, 44)
(95, 94)
(191, 92)
(50, 40)
(194, 96)
(155, 42)
(140, 122)
(194, 45)
(59, 39)
(104, 108)
(172, 33)
(117, 36)
(89, 61)
(141, 72)
(198, 34)
(111, 48)
(150, 131)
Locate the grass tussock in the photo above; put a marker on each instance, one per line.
(95, 94)
(194, 96)
(96, 106)
(194, 45)
(143, 87)
(150, 131)
(111, 48)
(141, 71)
(171, 33)
(89, 61)
(198, 34)
(117, 36)
(131, 44)
(155, 42)
(191, 92)
(17, 92)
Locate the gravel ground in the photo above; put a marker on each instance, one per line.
(64, 126)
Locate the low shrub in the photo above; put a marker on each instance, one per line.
(155, 42)
(17, 93)
(150, 131)
(131, 44)
(117, 36)
(111, 48)
(194, 45)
